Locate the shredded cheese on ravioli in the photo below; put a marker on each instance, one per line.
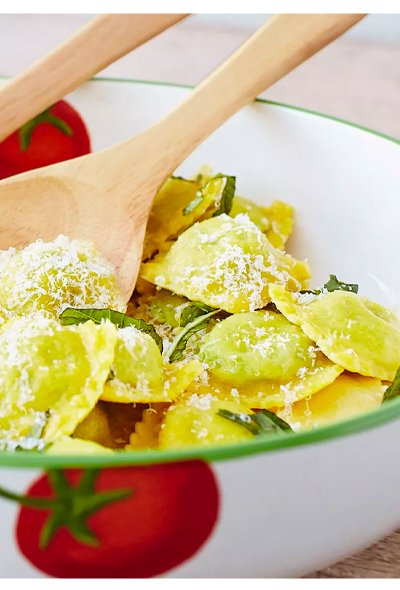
(54, 275)
(227, 263)
(265, 350)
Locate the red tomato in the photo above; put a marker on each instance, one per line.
(57, 134)
(168, 517)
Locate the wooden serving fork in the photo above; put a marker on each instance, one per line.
(106, 197)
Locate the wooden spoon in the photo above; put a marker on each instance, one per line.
(106, 197)
(102, 41)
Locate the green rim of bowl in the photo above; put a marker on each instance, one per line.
(386, 413)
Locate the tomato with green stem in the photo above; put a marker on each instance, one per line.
(127, 522)
(55, 135)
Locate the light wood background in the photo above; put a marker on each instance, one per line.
(356, 78)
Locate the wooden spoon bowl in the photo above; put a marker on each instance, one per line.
(106, 197)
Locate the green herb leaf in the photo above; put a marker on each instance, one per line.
(32, 441)
(245, 420)
(268, 421)
(194, 202)
(74, 316)
(394, 389)
(200, 178)
(228, 192)
(260, 423)
(334, 285)
(174, 177)
(178, 345)
(193, 311)
(224, 200)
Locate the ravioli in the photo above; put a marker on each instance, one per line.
(3, 316)
(280, 215)
(54, 275)
(348, 396)
(77, 446)
(275, 221)
(45, 367)
(139, 373)
(227, 263)
(269, 360)
(147, 430)
(161, 308)
(354, 332)
(167, 217)
(179, 376)
(137, 370)
(252, 338)
(195, 422)
(95, 427)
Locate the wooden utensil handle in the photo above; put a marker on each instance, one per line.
(102, 41)
(283, 43)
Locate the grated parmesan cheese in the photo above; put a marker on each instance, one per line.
(201, 402)
(227, 263)
(55, 275)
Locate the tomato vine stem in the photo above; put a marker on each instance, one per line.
(25, 132)
(71, 506)
(40, 503)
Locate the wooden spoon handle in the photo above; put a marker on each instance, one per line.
(103, 40)
(283, 43)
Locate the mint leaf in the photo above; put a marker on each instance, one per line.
(174, 177)
(393, 390)
(245, 420)
(334, 285)
(73, 316)
(260, 423)
(178, 345)
(193, 311)
(194, 203)
(226, 200)
(268, 421)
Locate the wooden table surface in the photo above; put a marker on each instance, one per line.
(381, 560)
(352, 79)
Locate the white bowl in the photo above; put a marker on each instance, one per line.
(287, 505)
